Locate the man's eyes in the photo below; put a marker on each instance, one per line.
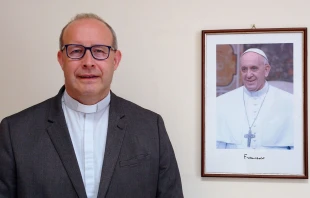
(245, 69)
(99, 51)
(76, 51)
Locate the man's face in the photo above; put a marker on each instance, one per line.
(88, 80)
(253, 71)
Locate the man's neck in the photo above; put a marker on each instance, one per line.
(77, 106)
(258, 93)
(88, 99)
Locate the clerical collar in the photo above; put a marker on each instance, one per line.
(76, 106)
(257, 93)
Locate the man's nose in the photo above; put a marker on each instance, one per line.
(88, 60)
(249, 73)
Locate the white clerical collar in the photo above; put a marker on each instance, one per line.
(257, 93)
(76, 106)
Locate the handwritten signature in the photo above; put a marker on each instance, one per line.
(245, 156)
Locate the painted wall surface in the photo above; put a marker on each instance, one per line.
(160, 70)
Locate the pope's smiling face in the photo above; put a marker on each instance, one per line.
(254, 70)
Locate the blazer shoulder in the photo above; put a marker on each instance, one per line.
(131, 108)
(38, 110)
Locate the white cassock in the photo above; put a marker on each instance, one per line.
(271, 107)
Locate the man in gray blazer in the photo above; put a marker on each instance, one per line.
(86, 141)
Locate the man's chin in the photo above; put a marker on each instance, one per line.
(93, 92)
(89, 92)
(251, 88)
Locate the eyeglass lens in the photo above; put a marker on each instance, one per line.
(78, 51)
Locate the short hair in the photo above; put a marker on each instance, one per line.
(88, 16)
(266, 62)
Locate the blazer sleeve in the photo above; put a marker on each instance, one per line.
(169, 181)
(7, 163)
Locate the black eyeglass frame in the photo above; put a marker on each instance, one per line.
(88, 48)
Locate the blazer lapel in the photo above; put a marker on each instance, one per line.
(60, 137)
(116, 131)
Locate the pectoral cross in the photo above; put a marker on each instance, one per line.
(250, 135)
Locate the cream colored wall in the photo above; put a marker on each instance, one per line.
(160, 70)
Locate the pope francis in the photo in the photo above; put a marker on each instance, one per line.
(255, 115)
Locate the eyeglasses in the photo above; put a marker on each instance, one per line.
(99, 52)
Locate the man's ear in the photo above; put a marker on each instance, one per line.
(117, 59)
(267, 70)
(60, 59)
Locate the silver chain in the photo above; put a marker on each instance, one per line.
(247, 117)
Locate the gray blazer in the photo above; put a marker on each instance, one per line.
(37, 158)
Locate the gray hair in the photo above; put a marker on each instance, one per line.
(88, 16)
(264, 60)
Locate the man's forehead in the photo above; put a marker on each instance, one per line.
(93, 26)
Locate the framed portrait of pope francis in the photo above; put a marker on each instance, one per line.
(254, 103)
